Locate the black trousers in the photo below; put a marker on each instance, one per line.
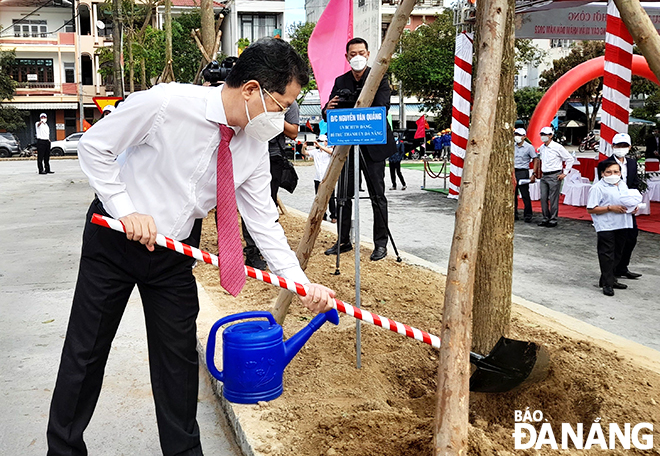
(43, 155)
(628, 246)
(524, 194)
(332, 205)
(395, 170)
(276, 168)
(610, 247)
(375, 171)
(110, 267)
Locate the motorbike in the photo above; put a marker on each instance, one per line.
(589, 143)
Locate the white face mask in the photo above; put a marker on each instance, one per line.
(612, 179)
(545, 139)
(358, 63)
(621, 151)
(518, 139)
(266, 125)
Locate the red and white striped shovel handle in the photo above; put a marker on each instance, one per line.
(281, 282)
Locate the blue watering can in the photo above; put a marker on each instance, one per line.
(255, 354)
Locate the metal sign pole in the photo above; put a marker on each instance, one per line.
(356, 232)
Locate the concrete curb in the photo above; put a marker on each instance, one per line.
(236, 413)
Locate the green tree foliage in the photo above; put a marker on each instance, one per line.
(151, 44)
(528, 52)
(299, 33)
(425, 65)
(590, 93)
(526, 100)
(11, 119)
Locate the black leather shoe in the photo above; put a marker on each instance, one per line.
(551, 224)
(346, 247)
(528, 220)
(255, 261)
(43, 172)
(50, 172)
(608, 291)
(619, 286)
(379, 253)
(629, 275)
(543, 223)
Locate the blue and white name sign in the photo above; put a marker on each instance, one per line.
(357, 126)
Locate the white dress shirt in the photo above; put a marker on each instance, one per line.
(552, 155)
(603, 194)
(43, 131)
(321, 162)
(170, 136)
(624, 167)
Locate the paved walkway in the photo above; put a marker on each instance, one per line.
(40, 237)
(557, 268)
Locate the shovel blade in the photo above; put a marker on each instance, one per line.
(509, 364)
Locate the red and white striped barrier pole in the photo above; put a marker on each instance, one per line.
(616, 82)
(460, 112)
(281, 282)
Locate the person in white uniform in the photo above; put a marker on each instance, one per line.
(611, 220)
(553, 156)
(43, 145)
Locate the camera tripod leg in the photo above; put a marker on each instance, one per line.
(370, 187)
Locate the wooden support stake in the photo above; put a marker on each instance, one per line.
(451, 419)
(313, 225)
(642, 30)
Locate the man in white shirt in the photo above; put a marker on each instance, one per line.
(552, 156)
(43, 145)
(172, 146)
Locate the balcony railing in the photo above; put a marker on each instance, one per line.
(46, 88)
(420, 3)
(41, 39)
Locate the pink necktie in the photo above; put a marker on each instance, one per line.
(230, 249)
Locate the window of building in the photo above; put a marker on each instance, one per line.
(559, 43)
(33, 70)
(68, 26)
(30, 28)
(361, 2)
(69, 72)
(255, 26)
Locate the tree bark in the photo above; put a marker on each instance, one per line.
(208, 27)
(168, 73)
(116, 49)
(131, 63)
(313, 225)
(451, 419)
(642, 30)
(491, 306)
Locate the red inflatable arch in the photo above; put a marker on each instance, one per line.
(563, 88)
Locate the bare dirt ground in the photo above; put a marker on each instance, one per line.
(387, 407)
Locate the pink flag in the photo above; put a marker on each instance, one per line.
(327, 45)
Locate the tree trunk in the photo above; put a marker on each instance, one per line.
(642, 30)
(116, 49)
(451, 418)
(168, 31)
(208, 26)
(313, 225)
(143, 74)
(491, 308)
(168, 73)
(131, 63)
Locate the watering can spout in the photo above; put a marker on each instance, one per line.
(293, 345)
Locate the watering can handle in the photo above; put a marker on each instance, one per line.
(210, 343)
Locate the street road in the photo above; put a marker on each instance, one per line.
(557, 268)
(41, 220)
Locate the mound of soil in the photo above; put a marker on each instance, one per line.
(387, 407)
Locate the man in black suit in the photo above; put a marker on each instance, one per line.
(653, 145)
(374, 156)
(620, 148)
